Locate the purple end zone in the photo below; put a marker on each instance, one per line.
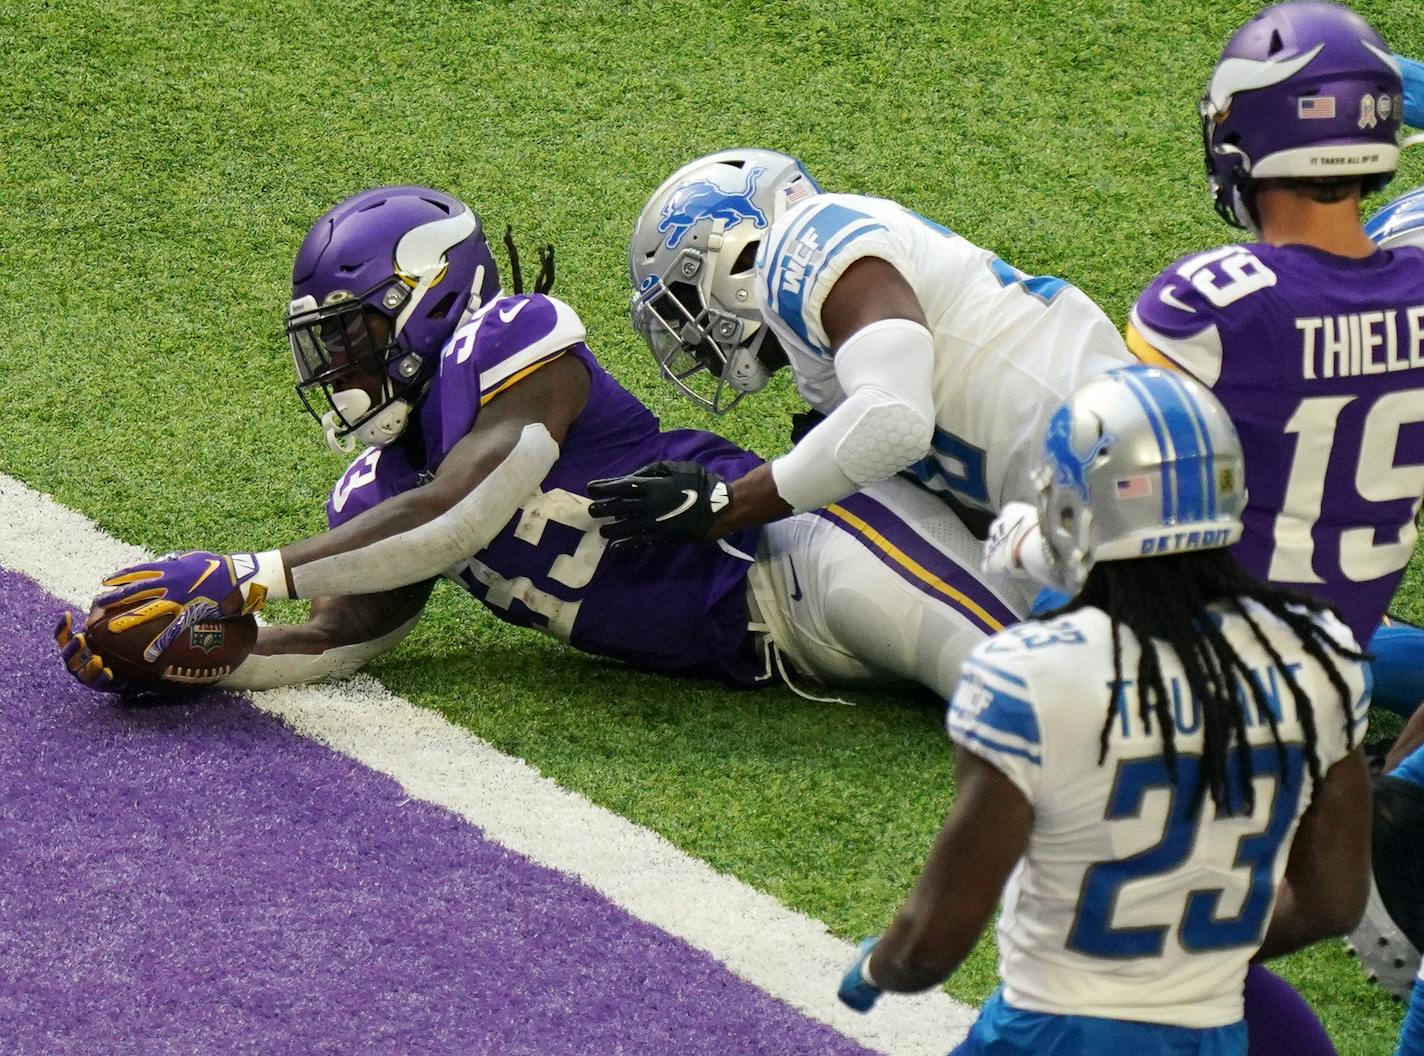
(197, 879)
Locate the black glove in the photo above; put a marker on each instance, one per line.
(662, 502)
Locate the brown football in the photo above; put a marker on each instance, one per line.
(203, 654)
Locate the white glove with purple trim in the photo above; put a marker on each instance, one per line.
(1015, 546)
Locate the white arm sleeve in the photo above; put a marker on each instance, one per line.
(424, 552)
(292, 669)
(885, 423)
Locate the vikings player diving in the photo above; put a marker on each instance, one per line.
(484, 416)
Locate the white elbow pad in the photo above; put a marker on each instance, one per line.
(886, 437)
(427, 551)
(293, 669)
(883, 426)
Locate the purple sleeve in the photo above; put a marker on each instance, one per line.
(1180, 318)
(1171, 306)
(505, 342)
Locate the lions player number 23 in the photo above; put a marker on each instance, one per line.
(1200, 928)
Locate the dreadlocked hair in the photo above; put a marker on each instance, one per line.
(1166, 600)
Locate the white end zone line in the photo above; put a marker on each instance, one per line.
(787, 954)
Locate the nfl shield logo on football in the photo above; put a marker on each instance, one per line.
(206, 636)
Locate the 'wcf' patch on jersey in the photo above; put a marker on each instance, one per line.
(799, 260)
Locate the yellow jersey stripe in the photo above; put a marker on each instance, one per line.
(520, 376)
(910, 565)
(1138, 346)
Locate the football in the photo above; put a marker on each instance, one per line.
(205, 653)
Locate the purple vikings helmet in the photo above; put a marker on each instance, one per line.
(1305, 89)
(1400, 223)
(380, 283)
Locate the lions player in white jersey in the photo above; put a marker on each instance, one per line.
(1140, 772)
(925, 352)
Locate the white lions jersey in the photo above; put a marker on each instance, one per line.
(1009, 347)
(1128, 904)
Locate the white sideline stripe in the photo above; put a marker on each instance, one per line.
(787, 954)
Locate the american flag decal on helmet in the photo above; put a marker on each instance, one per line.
(1134, 487)
(798, 190)
(1315, 108)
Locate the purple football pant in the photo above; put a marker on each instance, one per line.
(1278, 1021)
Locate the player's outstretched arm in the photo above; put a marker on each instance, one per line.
(983, 838)
(404, 540)
(1328, 873)
(340, 636)
(476, 490)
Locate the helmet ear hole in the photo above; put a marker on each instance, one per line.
(746, 259)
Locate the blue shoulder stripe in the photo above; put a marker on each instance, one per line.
(984, 665)
(1362, 706)
(788, 272)
(840, 243)
(994, 746)
(1011, 715)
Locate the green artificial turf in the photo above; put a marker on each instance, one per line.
(162, 162)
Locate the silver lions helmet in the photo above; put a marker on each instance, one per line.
(1138, 462)
(692, 263)
(1400, 223)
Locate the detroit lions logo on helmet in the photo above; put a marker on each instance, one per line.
(1070, 467)
(703, 198)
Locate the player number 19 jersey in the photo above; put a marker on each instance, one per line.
(1319, 360)
(1129, 904)
(1008, 346)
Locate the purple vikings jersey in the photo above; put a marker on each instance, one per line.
(679, 608)
(1319, 360)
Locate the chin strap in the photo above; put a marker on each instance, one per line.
(332, 424)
